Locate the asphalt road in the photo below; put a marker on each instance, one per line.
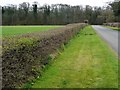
(109, 35)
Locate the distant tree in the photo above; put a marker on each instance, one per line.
(100, 20)
(3, 10)
(60, 14)
(107, 14)
(25, 7)
(9, 15)
(23, 12)
(88, 12)
(46, 13)
(35, 7)
(116, 8)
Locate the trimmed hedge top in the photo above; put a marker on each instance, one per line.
(22, 55)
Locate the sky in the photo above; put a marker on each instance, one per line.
(70, 2)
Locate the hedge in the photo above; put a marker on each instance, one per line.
(24, 56)
(114, 24)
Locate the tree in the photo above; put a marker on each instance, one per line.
(56, 14)
(9, 15)
(46, 13)
(35, 9)
(23, 12)
(116, 8)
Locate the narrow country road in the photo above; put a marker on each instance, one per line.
(109, 35)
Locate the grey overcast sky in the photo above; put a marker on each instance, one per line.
(71, 2)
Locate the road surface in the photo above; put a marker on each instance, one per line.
(109, 35)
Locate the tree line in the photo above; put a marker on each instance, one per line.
(58, 14)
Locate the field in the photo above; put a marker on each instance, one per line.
(17, 30)
(86, 62)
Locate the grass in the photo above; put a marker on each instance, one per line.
(16, 30)
(87, 62)
(114, 28)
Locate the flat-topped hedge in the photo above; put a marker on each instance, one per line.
(114, 24)
(24, 56)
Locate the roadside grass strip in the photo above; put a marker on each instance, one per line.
(114, 28)
(86, 62)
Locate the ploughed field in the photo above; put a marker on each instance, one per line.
(18, 30)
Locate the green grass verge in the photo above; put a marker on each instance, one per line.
(15, 30)
(114, 28)
(87, 62)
